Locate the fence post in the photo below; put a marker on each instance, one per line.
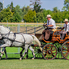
(34, 30)
(26, 30)
(25, 24)
(18, 30)
(37, 23)
(61, 23)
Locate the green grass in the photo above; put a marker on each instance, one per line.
(14, 52)
(34, 64)
(13, 62)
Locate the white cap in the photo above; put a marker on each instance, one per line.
(66, 20)
(48, 16)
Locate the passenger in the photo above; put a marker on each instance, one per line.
(66, 27)
(50, 25)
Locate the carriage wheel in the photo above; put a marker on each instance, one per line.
(49, 52)
(58, 46)
(65, 50)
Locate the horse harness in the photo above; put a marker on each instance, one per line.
(12, 40)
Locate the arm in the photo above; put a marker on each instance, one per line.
(62, 28)
(50, 25)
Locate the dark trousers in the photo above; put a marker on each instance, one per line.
(46, 33)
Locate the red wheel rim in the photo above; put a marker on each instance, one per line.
(49, 52)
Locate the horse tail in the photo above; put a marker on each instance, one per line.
(37, 41)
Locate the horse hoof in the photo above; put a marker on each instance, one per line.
(25, 58)
(20, 58)
(2, 53)
(32, 58)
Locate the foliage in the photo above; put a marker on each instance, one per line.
(19, 11)
(6, 14)
(16, 17)
(36, 5)
(66, 3)
(35, 14)
(29, 17)
(12, 9)
(25, 10)
(55, 10)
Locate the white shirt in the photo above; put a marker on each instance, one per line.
(51, 22)
(67, 27)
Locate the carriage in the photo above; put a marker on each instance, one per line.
(49, 49)
(55, 45)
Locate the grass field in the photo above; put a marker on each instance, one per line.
(34, 64)
(13, 62)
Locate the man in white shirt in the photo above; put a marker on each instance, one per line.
(50, 22)
(66, 27)
(50, 25)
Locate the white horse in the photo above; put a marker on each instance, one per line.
(18, 40)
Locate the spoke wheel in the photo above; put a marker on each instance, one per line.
(58, 46)
(65, 50)
(49, 52)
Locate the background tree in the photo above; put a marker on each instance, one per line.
(55, 10)
(1, 6)
(19, 11)
(6, 14)
(25, 10)
(29, 17)
(12, 9)
(37, 5)
(16, 17)
(66, 4)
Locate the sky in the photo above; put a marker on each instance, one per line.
(45, 4)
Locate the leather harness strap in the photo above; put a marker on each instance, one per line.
(12, 40)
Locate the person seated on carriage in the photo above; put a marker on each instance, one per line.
(50, 26)
(66, 27)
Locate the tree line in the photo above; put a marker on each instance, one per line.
(35, 14)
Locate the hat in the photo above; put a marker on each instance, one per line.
(66, 20)
(48, 16)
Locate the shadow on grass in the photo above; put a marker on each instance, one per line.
(29, 58)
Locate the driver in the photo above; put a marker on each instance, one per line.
(50, 25)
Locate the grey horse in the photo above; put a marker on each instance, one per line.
(18, 40)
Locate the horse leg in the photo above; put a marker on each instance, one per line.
(21, 52)
(5, 53)
(2, 52)
(26, 48)
(32, 51)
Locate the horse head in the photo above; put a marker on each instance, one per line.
(4, 30)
